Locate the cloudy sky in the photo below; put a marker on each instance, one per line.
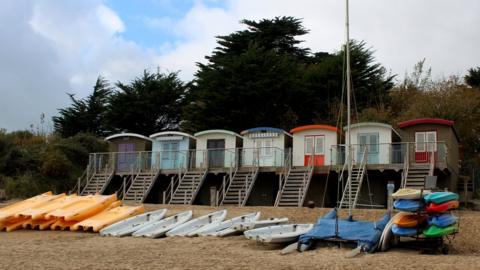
(51, 47)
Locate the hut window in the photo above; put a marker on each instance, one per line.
(420, 141)
(268, 148)
(426, 141)
(319, 143)
(166, 151)
(431, 141)
(309, 145)
(369, 141)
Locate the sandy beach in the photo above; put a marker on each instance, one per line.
(74, 250)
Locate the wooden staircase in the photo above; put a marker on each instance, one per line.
(416, 175)
(141, 186)
(188, 187)
(97, 183)
(295, 187)
(356, 180)
(240, 187)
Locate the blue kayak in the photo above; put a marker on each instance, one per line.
(404, 231)
(444, 220)
(440, 197)
(407, 205)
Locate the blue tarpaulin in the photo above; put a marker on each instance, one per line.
(365, 233)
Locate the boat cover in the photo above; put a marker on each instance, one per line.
(365, 233)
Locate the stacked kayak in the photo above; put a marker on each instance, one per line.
(424, 213)
(65, 212)
(441, 222)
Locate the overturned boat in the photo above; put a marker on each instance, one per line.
(366, 234)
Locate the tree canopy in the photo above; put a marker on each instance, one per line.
(85, 115)
(261, 76)
(473, 77)
(149, 104)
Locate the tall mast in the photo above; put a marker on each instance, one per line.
(349, 147)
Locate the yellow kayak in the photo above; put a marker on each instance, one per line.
(106, 218)
(61, 224)
(409, 194)
(12, 224)
(82, 208)
(11, 210)
(38, 224)
(39, 212)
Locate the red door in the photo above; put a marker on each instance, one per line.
(425, 144)
(314, 149)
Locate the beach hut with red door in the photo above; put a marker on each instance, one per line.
(428, 138)
(312, 144)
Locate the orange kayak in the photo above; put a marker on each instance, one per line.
(61, 224)
(408, 220)
(11, 210)
(39, 212)
(83, 207)
(108, 217)
(12, 224)
(38, 224)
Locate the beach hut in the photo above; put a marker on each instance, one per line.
(313, 142)
(172, 149)
(127, 149)
(265, 146)
(217, 148)
(431, 135)
(380, 141)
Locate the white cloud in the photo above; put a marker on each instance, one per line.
(51, 47)
(110, 20)
(401, 32)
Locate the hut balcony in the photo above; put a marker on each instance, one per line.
(394, 156)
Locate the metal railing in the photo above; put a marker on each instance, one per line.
(145, 161)
(358, 179)
(262, 157)
(306, 180)
(392, 153)
(282, 180)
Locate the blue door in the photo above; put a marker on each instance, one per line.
(169, 155)
(368, 142)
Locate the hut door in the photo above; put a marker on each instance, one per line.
(368, 142)
(425, 144)
(126, 157)
(169, 155)
(264, 148)
(216, 153)
(314, 148)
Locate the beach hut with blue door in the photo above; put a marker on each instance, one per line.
(172, 150)
(379, 140)
(129, 151)
(217, 148)
(265, 147)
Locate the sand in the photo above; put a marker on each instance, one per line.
(74, 250)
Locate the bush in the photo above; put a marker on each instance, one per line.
(55, 164)
(26, 185)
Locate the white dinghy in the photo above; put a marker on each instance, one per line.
(195, 224)
(159, 228)
(225, 227)
(279, 233)
(130, 225)
(245, 226)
